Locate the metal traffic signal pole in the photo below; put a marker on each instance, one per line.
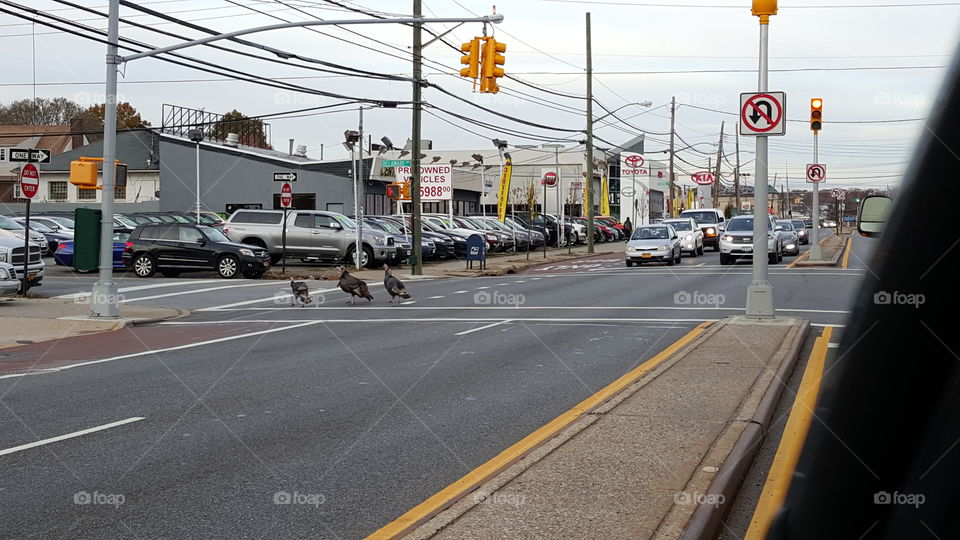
(760, 291)
(588, 176)
(815, 254)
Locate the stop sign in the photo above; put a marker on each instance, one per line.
(29, 180)
(286, 195)
(550, 179)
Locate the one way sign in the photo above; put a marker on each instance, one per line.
(29, 155)
(763, 113)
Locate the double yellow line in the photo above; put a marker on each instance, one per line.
(791, 443)
(421, 513)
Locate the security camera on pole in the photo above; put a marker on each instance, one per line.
(762, 114)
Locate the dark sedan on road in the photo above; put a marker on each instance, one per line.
(174, 248)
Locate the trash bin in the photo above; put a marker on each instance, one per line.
(86, 239)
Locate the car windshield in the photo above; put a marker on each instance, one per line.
(787, 226)
(213, 234)
(797, 224)
(66, 222)
(702, 217)
(120, 237)
(9, 224)
(651, 233)
(388, 226)
(40, 227)
(125, 221)
(740, 224)
(345, 221)
(681, 225)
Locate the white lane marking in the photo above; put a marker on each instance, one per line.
(459, 292)
(69, 435)
(534, 278)
(419, 320)
(195, 291)
(481, 288)
(408, 302)
(520, 281)
(472, 330)
(833, 345)
(548, 308)
(435, 297)
(825, 325)
(160, 351)
(502, 284)
(258, 301)
(699, 265)
(142, 287)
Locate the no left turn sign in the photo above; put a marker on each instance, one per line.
(816, 172)
(762, 113)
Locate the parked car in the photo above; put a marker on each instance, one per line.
(791, 240)
(801, 229)
(578, 229)
(9, 284)
(505, 240)
(11, 228)
(458, 238)
(64, 254)
(737, 240)
(691, 235)
(441, 225)
(653, 243)
(446, 246)
(711, 222)
(182, 247)
(325, 236)
(403, 242)
(12, 252)
(54, 238)
(614, 225)
(56, 222)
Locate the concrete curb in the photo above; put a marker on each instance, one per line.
(181, 313)
(706, 518)
(835, 260)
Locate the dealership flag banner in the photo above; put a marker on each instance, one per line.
(604, 196)
(504, 192)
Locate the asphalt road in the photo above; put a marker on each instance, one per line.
(253, 419)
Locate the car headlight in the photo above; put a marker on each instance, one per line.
(711, 230)
(688, 237)
(492, 237)
(246, 252)
(663, 247)
(4, 274)
(3, 256)
(727, 238)
(458, 239)
(18, 235)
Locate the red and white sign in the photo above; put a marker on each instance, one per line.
(29, 180)
(550, 179)
(286, 195)
(632, 164)
(816, 172)
(436, 181)
(762, 113)
(703, 178)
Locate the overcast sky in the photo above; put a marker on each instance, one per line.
(639, 47)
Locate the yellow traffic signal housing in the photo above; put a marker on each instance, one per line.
(471, 59)
(492, 60)
(399, 191)
(816, 114)
(405, 191)
(83, 174)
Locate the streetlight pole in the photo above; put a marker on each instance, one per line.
(103, 300)
(361, 191)
(760, 291)
(588, 175)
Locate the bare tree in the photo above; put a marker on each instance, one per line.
(39, 112)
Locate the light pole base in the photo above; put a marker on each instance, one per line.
(104, 300)
(815, 253)
(760, 300)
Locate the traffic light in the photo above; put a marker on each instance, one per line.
(83, 174)
(399, 191)
(816, 114)
(492, 60)
(471, 59)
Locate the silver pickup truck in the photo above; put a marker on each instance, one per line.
(311, 234)
(11, 252)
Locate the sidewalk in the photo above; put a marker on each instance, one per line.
(32, 320)
(657, 454)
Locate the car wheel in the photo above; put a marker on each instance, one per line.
(629, 264)
(144, 266)
(366, 256)
(700, 250)
(228, 267)
(671, 260)
(772, 258)
(679, 255)
(170, 273)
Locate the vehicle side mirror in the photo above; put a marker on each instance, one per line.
(872, 217)
(202, 242)
(335, 225)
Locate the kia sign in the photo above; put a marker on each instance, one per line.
(286, 195)
(550, 179)
(632, 164)
(702, 178)
(29, 180)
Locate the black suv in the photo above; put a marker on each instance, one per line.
(173, 248)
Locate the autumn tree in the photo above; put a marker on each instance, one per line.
(39, 112)
(250, 131)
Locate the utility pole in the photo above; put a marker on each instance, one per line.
(673, 117)
(103, 300)
(736, 177)
(359, 192)
(415, 145)
(716, 176)
(588, 185)
(760, 290)
(786, 177)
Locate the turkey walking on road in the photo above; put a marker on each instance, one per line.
(356, 287)
(394, 286)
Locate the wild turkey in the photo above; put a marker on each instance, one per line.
(356, 287)
(394, 286)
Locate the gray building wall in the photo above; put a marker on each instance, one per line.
(232, 176)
